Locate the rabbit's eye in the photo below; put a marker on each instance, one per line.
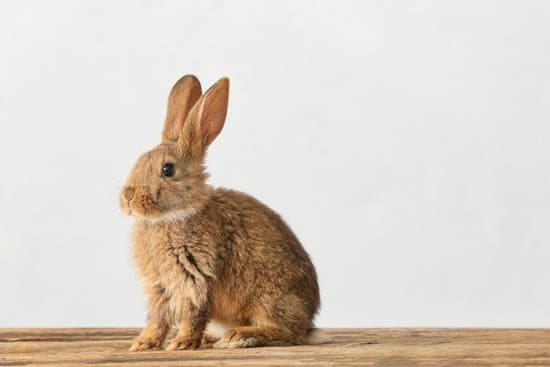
(168, 170)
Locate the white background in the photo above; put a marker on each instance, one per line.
(406, 143)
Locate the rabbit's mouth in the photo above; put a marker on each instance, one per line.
(138, 203)
(125, 207)
(128, 209)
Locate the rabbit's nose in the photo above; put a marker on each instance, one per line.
(128, 193)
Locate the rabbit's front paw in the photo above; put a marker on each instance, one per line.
(180, 343)
(145, 343)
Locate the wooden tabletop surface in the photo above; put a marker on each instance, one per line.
(343, 347)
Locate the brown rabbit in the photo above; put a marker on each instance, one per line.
(211, 255)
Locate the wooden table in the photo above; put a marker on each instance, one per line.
(343, 347)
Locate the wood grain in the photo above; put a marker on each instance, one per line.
(344, 347)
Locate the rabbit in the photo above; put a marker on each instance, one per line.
(211, 256)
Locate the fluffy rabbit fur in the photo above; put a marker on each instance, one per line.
(207, 254)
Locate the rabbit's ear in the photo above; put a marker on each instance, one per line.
(206, 119)
(183, 96)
